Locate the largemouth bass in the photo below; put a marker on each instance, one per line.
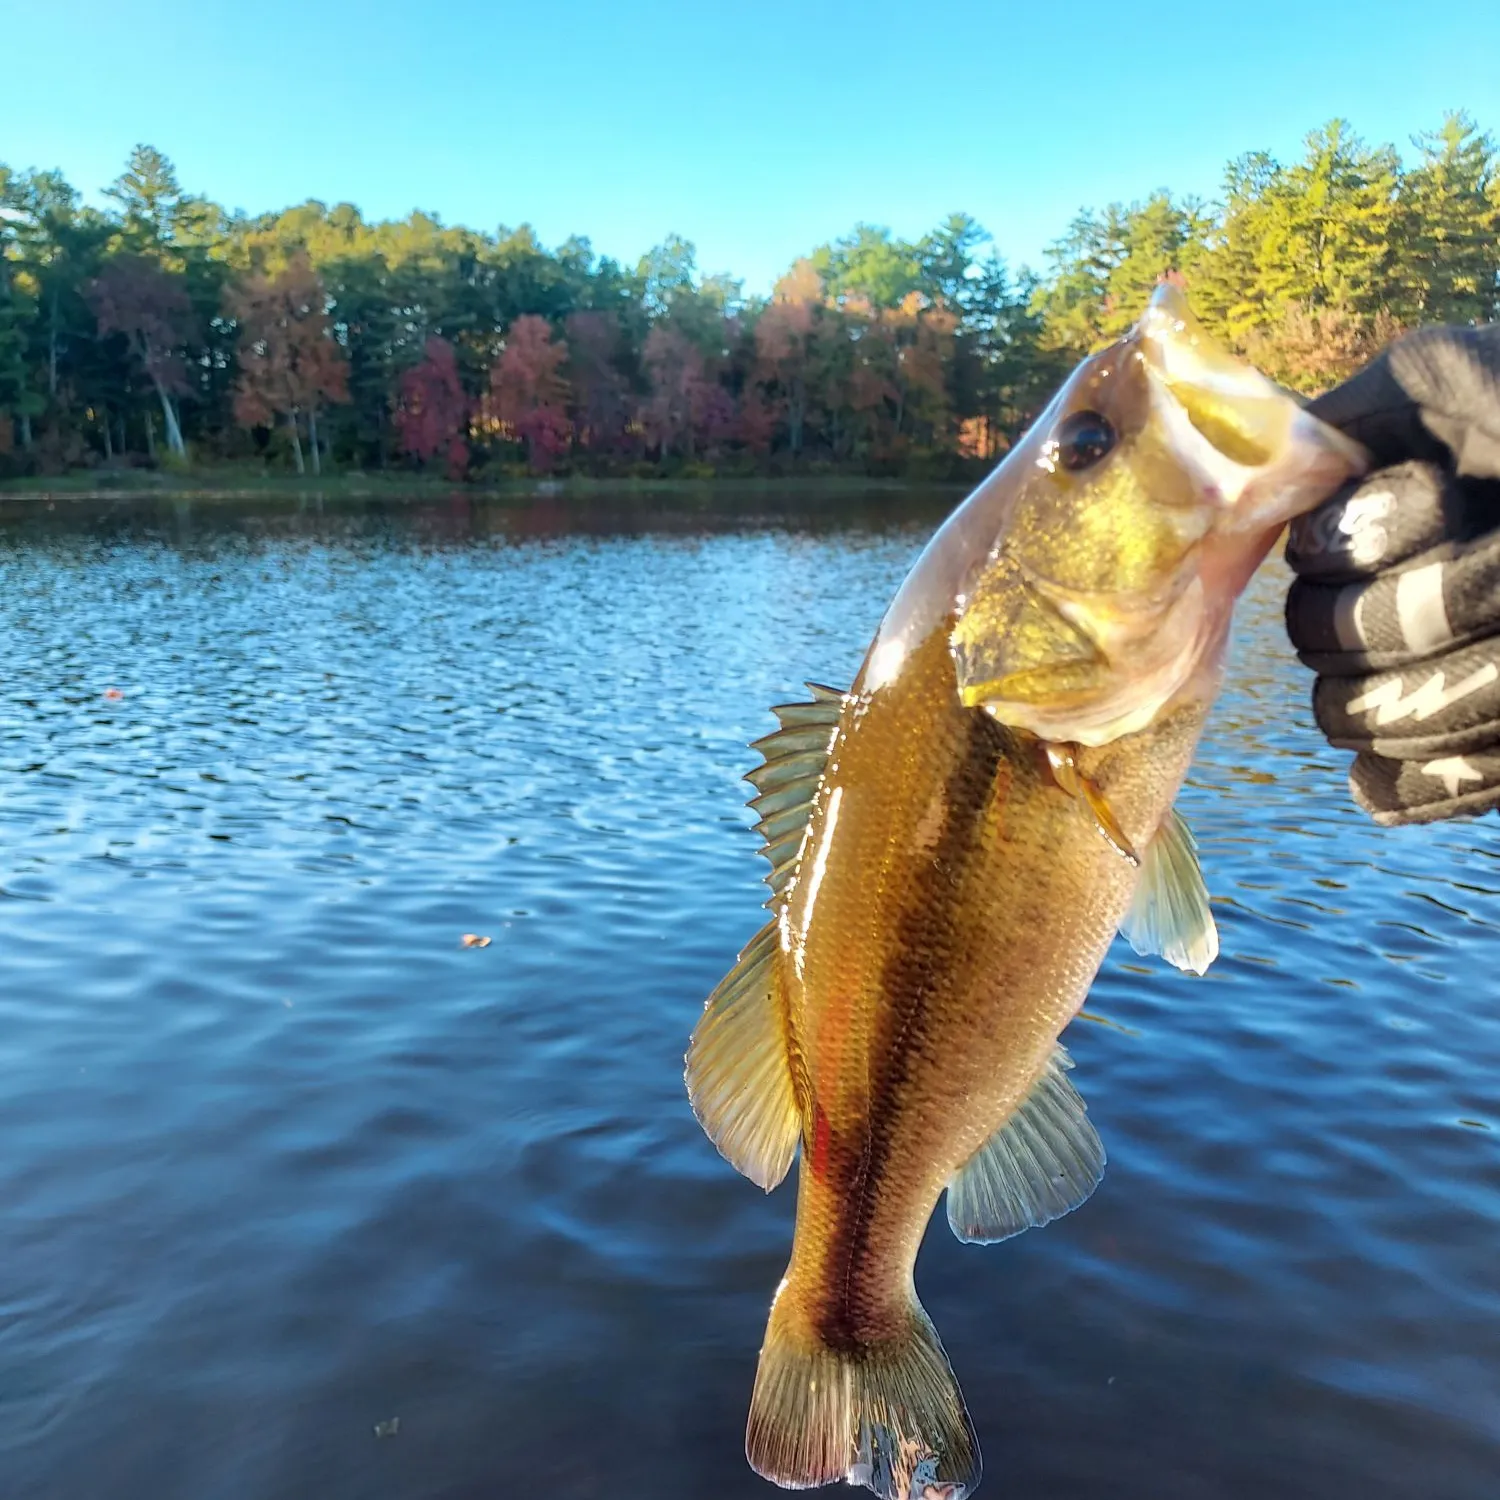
(954, 843)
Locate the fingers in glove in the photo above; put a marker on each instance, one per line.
(1378, 521)
(1374, 409)
(1439, 599)
(1416, 791)
(1433, 395)
(1454, 376)
(1445, 705)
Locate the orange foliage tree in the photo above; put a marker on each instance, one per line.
(784, 354)
(923, 335)
(289, 363)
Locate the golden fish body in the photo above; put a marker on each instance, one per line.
(954, 843)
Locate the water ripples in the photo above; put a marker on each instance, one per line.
(284, 1160)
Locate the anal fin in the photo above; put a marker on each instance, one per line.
(739, 1077)
(1041, 1164)
(1169, 914)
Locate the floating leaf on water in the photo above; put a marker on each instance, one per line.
(113, 695)
(473, 940)
(389, 1428)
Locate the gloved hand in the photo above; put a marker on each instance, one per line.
(1397, 601)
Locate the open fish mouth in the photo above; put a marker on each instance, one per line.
(1242, 434)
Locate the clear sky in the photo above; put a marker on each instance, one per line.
(754, 130)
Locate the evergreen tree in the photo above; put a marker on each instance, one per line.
(1450, 220)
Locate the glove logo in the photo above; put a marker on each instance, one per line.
(1354, 528)
(1452, 772)
(1391, 703)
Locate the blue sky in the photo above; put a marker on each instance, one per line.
(755, 130)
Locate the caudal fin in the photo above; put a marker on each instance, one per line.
(888, 1416)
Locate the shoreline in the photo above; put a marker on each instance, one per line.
(416, 487)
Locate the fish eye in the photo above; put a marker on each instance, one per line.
(1082, 439)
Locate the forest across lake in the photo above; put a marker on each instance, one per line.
(162, 331)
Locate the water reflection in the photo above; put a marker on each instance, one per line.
(285, 1160)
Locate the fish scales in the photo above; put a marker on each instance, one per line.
(943, 964)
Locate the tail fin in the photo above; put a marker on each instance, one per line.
(888, 1416)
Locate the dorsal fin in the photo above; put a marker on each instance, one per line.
(794, 759)
(739, 1073)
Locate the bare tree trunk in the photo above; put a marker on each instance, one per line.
(174, 428)
(169, 419)
(109, 452)
(52, 350)
(291, 417)
(150, 437)
(312, 438)
(26, 431)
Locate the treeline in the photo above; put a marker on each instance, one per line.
(164, 329)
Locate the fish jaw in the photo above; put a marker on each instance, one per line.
(1259, 458)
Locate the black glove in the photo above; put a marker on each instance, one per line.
(1397, 603)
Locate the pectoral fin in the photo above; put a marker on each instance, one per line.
(739, 1079)
(1170, 914)
(1041, 1164)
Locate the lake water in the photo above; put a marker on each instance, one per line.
(282, 1163)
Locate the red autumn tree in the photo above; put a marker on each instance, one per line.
(600, 407)
(528, 395)
(758, 422)
(289, 362)
(687, 407)
(433, 412)
(136, 297)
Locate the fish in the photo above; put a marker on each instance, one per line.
(954, 842)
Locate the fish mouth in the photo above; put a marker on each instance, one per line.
(1251, 443)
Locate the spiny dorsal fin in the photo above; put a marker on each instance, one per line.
(739, 1079)
(1041, 1164)
(1169, 914)
(795, 757)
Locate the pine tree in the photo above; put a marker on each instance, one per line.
(1073, 300)
(1159, 238)
(1450, 218)
(149, 197)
